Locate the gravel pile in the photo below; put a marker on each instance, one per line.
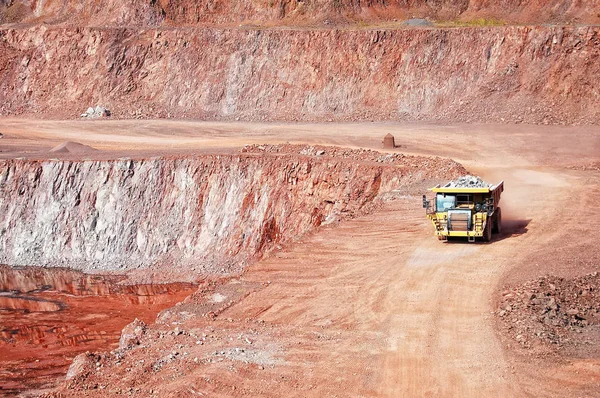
(365, 155)
(468, 181)
(552, 311)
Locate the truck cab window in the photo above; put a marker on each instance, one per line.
(445, 202)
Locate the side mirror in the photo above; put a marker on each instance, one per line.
(425, 202)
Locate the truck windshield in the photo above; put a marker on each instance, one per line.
(445, 202)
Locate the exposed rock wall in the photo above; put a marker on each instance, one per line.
(188, 12)
(83, 12)
(512, 74)
(208, 213)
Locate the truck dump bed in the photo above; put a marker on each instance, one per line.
(495, 190)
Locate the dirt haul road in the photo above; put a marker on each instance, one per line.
(375, 306)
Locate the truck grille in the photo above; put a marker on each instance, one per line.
(459, 220)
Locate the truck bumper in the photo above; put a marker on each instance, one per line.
(463, 234)
(469, 235)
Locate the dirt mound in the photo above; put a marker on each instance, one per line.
(552, 314)
(72, 147)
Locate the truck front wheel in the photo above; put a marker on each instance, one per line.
(487, 231)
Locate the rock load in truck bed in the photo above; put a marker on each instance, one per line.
(468, 181)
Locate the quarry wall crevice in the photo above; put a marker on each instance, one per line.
(544, 75)
(211, 213)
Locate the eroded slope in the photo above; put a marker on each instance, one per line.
(210, 214)
(508, 74)
(187, 12)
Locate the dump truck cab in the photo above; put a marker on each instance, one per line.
(465, 211)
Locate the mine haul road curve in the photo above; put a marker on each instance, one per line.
(377, 306)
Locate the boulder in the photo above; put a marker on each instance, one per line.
(132, 333)
(81, 364)
(98, 111)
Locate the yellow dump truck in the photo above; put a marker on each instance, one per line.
(467, 207)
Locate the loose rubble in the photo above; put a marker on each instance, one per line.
(468, 181)
(98, 111)
(82, 364)
(550, 311)
(132, 333)
(365, 155)
(591, 166)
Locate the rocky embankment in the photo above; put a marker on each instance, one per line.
(208, 214)
(552, 314)
(494, 74)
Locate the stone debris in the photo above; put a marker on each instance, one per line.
(468, 181)
(246, 355)
(591, 166)
(157, 366)
(82, 364)
(366, 155)
(98, 111)
(132, 333)
(551, 311)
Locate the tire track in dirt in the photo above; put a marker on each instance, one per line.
(416, 304)
(422, 307)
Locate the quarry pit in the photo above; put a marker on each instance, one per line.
(148, 229)
(289, 288)
(223, 198)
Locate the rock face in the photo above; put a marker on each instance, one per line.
(510, 74)
(188, 12)
(78, 12)
(211, 213)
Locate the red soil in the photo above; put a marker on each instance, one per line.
(57, 314)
